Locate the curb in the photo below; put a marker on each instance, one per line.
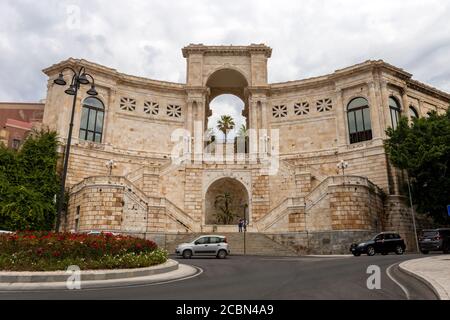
(170, 271)
(89, 275)
(430, 283)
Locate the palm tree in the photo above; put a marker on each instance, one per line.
(223, 203)
(225, 124)
(243, 131)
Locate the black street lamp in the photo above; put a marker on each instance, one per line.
(78, 78)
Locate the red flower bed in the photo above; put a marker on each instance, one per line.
(38, 245)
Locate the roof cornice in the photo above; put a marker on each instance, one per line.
(118, 76)
(231, 50)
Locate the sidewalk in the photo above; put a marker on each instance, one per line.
(434, 271)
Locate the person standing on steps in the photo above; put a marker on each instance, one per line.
(240, 224)
(245, 223)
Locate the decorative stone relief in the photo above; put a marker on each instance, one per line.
(301, 108)
(151, 108)
(174, 111)
(279, 111)
(324, 105)
(127, 104)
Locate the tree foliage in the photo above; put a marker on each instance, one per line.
(423, 150)
(225, 124)
(223, 204)
(28, 183)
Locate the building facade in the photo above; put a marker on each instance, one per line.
(17, 120)
(168, 178)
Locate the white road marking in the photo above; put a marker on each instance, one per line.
(388, 272)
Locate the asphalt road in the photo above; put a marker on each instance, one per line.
(265, 278)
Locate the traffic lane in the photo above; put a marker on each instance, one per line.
(241, 277)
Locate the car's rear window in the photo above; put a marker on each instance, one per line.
(430, 234)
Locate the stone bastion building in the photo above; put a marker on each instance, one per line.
(283, 178)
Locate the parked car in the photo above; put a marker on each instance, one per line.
(435, 240)
(211, 245)
(5, 232)
(383, 243)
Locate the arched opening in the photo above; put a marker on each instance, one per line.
(394, 108)
(359, 125)
(226, 201)
(227, 88)
(226, 105)
(92, 116)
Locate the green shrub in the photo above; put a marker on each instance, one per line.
(28, 183)
(47, 251)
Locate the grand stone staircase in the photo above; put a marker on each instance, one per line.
(255, 244)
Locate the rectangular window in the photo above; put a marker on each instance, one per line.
(83, 134)
(99, 123)
(77, 219)
(351, 122)
(367, 123)
(91, 121)
(359, 121)
(16, 144)
(84, 118)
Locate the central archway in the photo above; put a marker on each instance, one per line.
(238, 202)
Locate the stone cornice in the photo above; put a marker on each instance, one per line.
(227, 50)
(120, 78)
(419, 86)
(369, 65)
(321, 81)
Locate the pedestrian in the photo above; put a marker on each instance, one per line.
(245, 223)
(240, 224)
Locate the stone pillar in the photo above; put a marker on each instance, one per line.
(265, 124)
(189, 115)
(374, 112)
(385, 107)
(341, 119)
(405, 101)
(198, 131)
(253, 131)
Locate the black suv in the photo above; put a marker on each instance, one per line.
(435, 240)
(383, 243)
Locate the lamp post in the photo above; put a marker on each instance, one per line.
(413, 216)
(79, 78)
(245, 206)
(110, 164)
(342, 165)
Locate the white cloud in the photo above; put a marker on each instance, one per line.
(144, 38)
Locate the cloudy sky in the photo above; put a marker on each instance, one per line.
(308, 37)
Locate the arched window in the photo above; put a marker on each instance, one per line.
(359, 126)
(394, 108)
(91, 125)
(413, 114)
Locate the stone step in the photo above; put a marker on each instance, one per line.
(255, 243)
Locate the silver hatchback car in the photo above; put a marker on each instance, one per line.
(210, 245)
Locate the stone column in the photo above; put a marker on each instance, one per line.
(198, 131)
(253, 130)
(108, 121)
(341, 119)
(405, 101)
(374, 115)
(385, 107)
